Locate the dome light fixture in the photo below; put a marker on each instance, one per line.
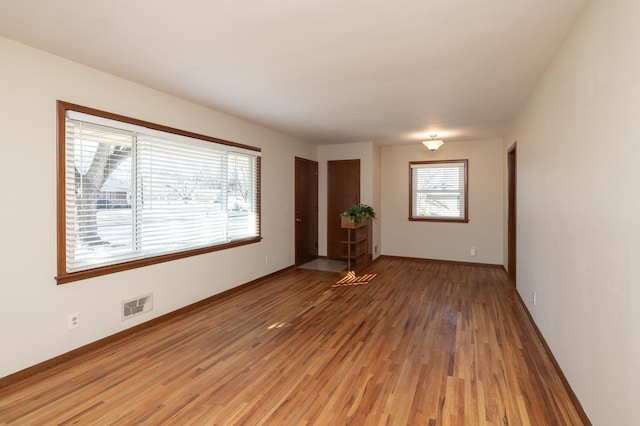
(433, 144)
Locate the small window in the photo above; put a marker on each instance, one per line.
(133, 193)
(438, 191)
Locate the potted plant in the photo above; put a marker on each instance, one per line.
(356, 215)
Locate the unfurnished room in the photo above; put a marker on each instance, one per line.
(320, 212)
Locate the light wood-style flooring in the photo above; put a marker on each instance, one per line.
(423, 343)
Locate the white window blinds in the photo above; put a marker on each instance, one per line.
(134, 193)
(438, 190)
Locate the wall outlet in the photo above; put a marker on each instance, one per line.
(535, 299)
(473, 252)
(73, 320)
(266, 260)
(375, 249)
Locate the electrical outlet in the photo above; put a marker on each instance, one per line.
(375, 249)
(73, 320)
(473, 252)
(266, 260)
(535, 299)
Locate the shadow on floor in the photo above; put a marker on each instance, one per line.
(329, 265)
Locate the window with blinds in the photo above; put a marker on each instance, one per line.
(439, 191)
(135, 193)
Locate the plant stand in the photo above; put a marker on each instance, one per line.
(357, 242)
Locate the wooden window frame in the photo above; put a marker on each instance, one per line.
(464, 219)
(63, 276)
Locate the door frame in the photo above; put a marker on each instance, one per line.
(512, 216)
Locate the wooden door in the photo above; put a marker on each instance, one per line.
(306, 210)
(343, 190)
(512, 219)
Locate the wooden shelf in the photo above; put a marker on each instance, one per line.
(355, 255)
(357, 243)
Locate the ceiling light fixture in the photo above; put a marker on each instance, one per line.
(433, 144)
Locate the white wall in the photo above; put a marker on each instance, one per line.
(579, 207)
(33, 318)
(442, 240)
(368, 154)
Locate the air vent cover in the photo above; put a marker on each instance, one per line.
(137, 306)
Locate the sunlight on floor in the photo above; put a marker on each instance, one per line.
(351, 279)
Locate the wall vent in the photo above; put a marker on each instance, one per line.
(137, 306)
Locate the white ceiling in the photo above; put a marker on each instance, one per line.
(326, 71)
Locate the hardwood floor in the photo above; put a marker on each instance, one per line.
(423, 343)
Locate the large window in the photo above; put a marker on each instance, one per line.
(438, 191)
(132, 193)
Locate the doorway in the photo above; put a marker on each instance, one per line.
(306, 209)
(343, 190)
(512, 214)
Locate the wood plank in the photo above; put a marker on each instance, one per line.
(423, 343)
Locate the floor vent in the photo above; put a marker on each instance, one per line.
(137, 306)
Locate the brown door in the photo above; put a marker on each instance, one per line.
(512, 220)
(343, 190)
(306, 176)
